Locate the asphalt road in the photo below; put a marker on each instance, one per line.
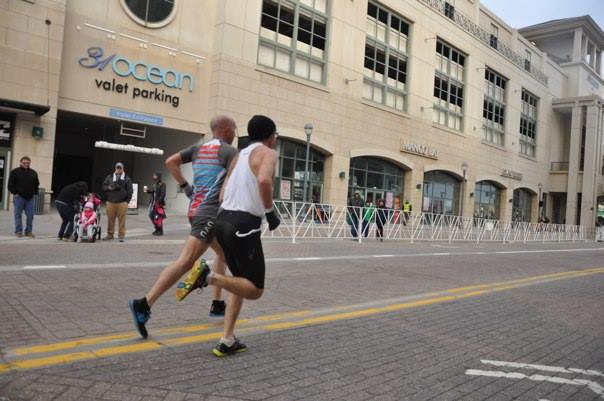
(339, 320)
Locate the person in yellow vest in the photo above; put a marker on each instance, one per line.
(406, 211)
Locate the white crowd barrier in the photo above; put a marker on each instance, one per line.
(324, 221)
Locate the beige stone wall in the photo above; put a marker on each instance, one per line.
(190, 31)
(356, 126)
(230, 80)
(30, 65)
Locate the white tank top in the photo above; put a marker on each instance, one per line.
(242, 192)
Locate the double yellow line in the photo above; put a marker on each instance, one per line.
(128, 343)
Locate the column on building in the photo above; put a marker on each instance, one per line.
(573, 165)
(578, 45)
(593, 133)
(413, 189)
(336, 183)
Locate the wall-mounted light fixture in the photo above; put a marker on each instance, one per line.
(37, 132)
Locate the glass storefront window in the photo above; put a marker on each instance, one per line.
(522, 205)
(376, 179)
(289, 177)
(441, 193)
(486, 200)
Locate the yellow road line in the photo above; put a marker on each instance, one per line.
(127, 349)
(193, 339)
(51, 360)
(189, 329)
(46, 348)
(259, 324)
(38, 349)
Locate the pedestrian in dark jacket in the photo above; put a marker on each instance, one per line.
(67, 203)
(157, 203)
(118, 192)
(355, 213)
(381, 217)
(23, 183)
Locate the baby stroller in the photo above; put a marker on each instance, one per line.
(88, 219)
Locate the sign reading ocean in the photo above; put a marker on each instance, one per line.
(140, 118)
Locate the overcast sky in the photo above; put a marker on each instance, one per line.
(521, 13)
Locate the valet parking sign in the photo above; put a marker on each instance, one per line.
(141, 71)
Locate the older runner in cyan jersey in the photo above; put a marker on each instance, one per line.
(210, 163)
(248, 197)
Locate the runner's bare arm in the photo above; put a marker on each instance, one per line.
(226, 179)
(266, 173)
(173, 164)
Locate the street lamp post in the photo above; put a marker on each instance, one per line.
(308, 127)
(540, 210)
(464, 168)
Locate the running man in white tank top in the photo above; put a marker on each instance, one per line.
(247, 198)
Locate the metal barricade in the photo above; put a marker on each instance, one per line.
(301, 220)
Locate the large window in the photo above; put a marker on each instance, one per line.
(150, 13)
(289, 183)
(385, 58)
(528, 124)
(376, 179)
(441, 193)
(493, 112)
(522, 205)
(448, 86)
(293, 37)
(486, 200)
(289, 177)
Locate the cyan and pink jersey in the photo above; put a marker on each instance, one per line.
(210, 163)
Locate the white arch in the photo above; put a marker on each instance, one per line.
(494, 179)
(524, 186)
(315, 141)
(455, 171)
(391, 156)
(319, 144)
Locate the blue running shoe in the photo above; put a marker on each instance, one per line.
(141, 312)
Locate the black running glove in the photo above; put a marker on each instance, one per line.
(187, 189)
(273, 220)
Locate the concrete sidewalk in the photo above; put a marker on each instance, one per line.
(46, 226)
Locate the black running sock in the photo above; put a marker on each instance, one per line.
(144, 303)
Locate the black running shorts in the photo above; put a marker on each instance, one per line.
(202, 227)
(238, 233)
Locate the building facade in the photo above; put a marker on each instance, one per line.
(436, 102)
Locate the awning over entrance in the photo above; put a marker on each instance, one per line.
(13, 105)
